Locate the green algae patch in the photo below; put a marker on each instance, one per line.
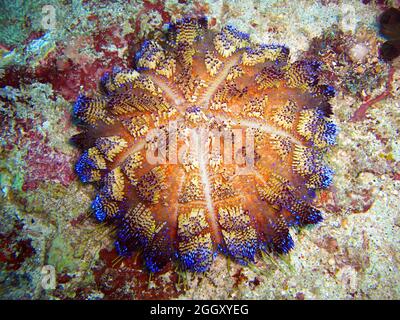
(67, 256)
(61, 255)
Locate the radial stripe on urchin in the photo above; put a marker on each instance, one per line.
(212, 143)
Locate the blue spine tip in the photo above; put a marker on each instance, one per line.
(123, 233)
(80, 105)
(84, 167)
(196, 260)
(203, 22)
(327, 177)
(237, 33)
(121, 248)
(315, 65)
(98, 209)
(243, 252)
(329, 91)
(151, 265)
(285, 50)
(331, 132)
(116, 69)
(139, 54)
(315, 216)
(105, 78)
(285, 245)
(311, 193)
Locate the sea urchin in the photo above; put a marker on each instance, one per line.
(212, 143)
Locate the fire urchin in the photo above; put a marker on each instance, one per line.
(212, 143)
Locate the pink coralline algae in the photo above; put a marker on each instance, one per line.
(45, 164)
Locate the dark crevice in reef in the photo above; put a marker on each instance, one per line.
(389, 27)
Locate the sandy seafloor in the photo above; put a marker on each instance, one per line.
(353, 254)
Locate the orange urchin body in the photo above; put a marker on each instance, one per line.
(212, 144)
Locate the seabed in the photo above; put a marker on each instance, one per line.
(51, 49)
